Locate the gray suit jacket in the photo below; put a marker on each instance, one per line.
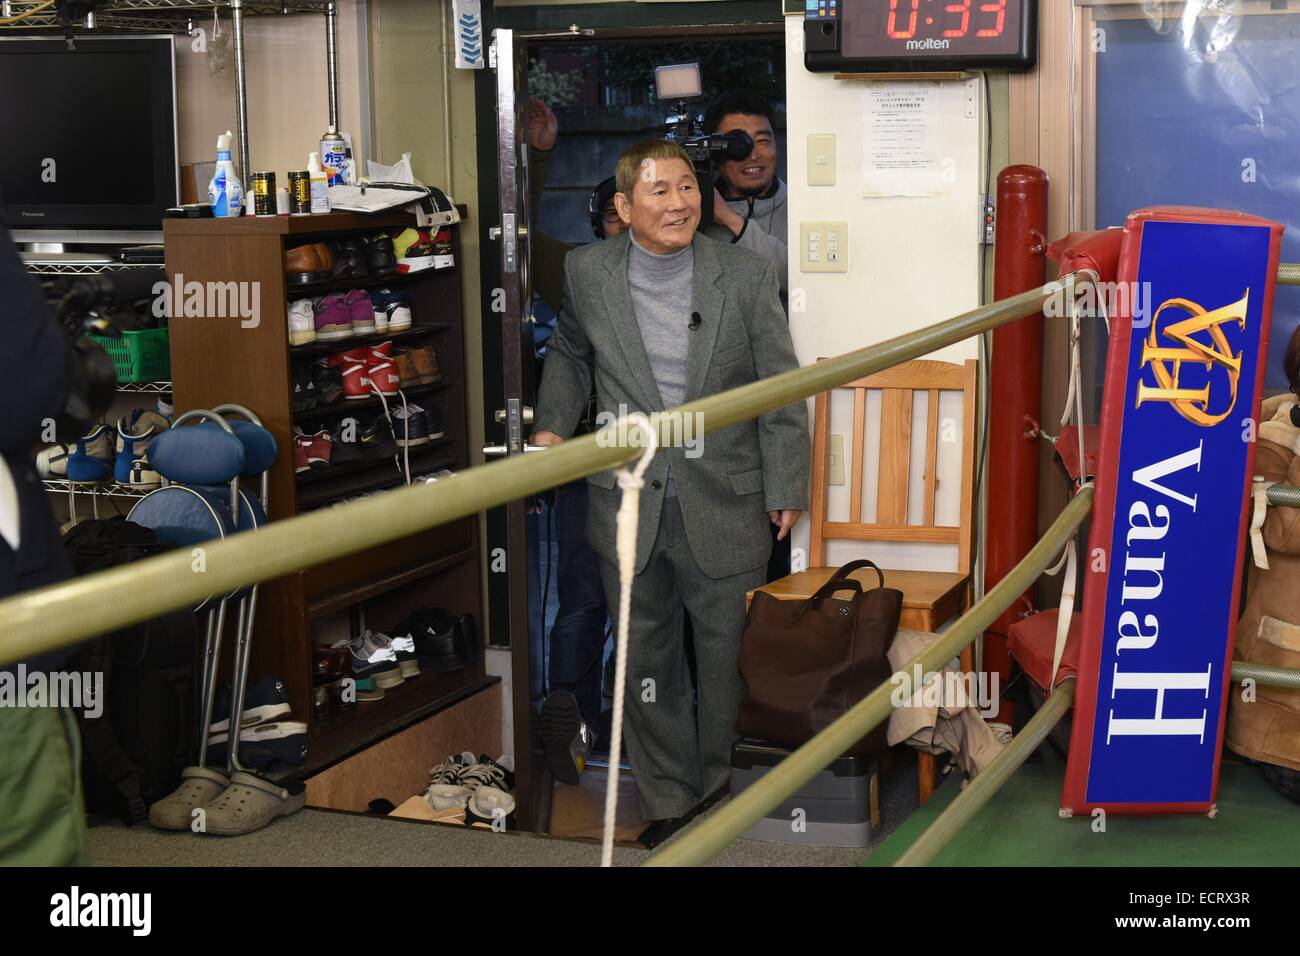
(743, 471)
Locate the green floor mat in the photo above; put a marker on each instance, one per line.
(1020, 827)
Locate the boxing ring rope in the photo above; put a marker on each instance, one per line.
(49, 618)
(982, 787)
(781, 782)
(56, 616)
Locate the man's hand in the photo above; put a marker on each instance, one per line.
(542, 126)
(545, 438)
(723, 215)
(785, 520)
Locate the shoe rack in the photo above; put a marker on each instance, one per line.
(216, 359)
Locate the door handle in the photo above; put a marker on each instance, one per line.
(526, 413)
(500, 451)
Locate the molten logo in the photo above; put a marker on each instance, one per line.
(1167, 362)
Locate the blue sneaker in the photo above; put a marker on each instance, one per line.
(264, 701)
(264, 744)
(392, 310)
(93, 459)
(135, 432)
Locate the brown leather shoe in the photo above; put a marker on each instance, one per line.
(426, 364)
(305, 265)
(404, 360)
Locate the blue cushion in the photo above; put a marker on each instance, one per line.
(194, 455)
(251, 515)
(186, 517)
(260, 450)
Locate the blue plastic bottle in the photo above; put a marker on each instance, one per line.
(225, 192)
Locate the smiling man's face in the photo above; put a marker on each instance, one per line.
(755, 172)
(664, 210)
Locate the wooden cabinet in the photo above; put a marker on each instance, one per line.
(223, 354)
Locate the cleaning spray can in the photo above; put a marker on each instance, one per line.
(334, 156)
(225, 192)
(320, 198)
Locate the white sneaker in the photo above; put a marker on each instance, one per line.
(302, 322)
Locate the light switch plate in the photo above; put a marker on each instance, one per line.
(821, 159)
(835, 467)
(824, 245)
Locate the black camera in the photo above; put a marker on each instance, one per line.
(684, 82)
(80, 305)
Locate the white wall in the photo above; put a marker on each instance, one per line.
(288, 98)
(912, 262)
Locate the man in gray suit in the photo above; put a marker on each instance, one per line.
(658, 317)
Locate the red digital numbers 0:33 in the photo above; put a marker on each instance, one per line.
(997, 8)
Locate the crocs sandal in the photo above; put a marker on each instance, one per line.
(251, 802)
(199, 786)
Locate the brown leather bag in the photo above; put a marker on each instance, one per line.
(806, 663)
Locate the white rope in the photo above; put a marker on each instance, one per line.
(628, 513)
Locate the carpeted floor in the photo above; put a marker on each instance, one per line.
(327, 838)
(1020, 826)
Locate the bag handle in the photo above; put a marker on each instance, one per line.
(840, 581)
(842, 575)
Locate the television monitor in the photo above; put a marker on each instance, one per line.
(89, 138)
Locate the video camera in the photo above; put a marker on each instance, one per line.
(80, 304)
(682, 82)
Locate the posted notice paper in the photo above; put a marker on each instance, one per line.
(900, 148)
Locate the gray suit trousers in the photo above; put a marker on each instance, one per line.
(675, 766)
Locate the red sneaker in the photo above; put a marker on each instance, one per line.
(384, 377)
(300, 462)
(320, 448)
(382, 351)
(356, 379)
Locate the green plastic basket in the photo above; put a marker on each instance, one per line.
(139, 356)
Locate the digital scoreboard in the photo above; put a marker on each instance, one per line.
(913, 36)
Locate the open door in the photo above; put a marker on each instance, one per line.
(514, 410)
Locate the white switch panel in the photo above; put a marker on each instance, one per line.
(824, 246)
(835, 469)
(821, 159)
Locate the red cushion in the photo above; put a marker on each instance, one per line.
(1032, 641)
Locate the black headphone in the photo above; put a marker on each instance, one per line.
(602, 194)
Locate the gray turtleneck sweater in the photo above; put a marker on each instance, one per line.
(662, 292)
(661, 288)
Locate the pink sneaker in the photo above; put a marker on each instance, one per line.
(334, 318)
(361, 311)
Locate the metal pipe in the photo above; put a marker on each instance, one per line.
(61, 614)
(332, 60)
(777, 785)
(1269, 675)
(983, 786)
(1288, 273)
(241, 86)
(1286, 495)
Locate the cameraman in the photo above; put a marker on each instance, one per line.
(749, 201)
(40, 776)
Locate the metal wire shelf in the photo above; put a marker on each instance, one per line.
(102, 489)
(146, 388)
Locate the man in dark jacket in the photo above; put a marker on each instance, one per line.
(43, 822)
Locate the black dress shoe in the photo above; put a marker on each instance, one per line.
(660, 830)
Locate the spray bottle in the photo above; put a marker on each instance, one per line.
(225, 192)
(333, 156)
(320, 197)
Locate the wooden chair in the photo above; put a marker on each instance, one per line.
(929, 597)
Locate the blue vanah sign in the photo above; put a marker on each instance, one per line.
(1176, 454)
